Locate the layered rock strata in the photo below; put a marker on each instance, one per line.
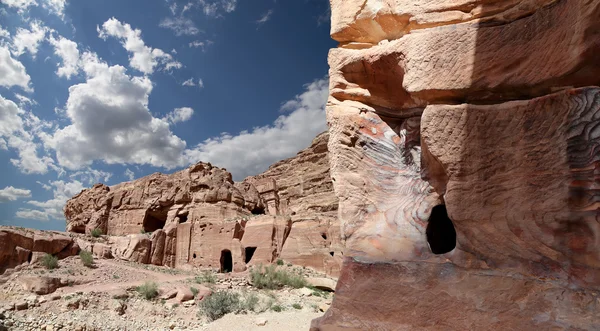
(464, 147)
(201, 217)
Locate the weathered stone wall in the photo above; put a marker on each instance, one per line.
(200, 217)
(463, 150)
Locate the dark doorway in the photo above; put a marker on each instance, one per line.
(258, 211)
(226, 261)
(441, 234)
(249, 253)
(183, 218)
(154, 220)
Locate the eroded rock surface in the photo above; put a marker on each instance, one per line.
(200, 217)
(463, 150)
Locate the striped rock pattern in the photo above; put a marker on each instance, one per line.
(464, 144)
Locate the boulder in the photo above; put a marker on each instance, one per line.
(325, 284)
(40, 285)
(184, 294)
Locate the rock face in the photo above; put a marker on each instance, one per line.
(200, 217)
(18, 246)
(464, 147)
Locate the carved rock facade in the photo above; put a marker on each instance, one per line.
(464, 150)
(201, 217)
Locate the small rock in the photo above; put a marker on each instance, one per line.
(121, 294)
(55, 297)
(169, 295)
(118, 306)
(188, 304)
(21, 305)
(304, 292)
(73, 303)
(184, 294)
(261, 321)
(323, 307)
(49, 328)
(9, 307)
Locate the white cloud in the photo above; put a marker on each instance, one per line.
(67, 50)
(179, 115)
(129, 174)
(29, 39)
(110, 121)
(265, 17)
(20, 5)
(53, 208)
(190, 82)
(143, 58)
(215, 7)
(24, 101)
(19, 129)
(4, 33)
(56, 7)
(180, 25)
(10, 193)
(32, 214)
(251, 152)
(12, 72)
(91, 176)
(200, 44)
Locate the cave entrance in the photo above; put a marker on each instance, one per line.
(258, 211)
(154, 220)
(226, 261)
(249, 253)
(441, 234)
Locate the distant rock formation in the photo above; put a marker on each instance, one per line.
(201, 217)
(464, 151)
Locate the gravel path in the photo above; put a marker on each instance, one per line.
(285, 321)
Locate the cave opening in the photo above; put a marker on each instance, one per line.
(324, 235)
(183, 218)
(258, 211)
(249, 253)
(440, 232)
(154, 220)
(226, 261)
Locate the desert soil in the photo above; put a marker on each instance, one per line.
(104, 298)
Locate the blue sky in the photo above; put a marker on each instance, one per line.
(108, 91)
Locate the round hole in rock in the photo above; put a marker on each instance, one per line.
(194, 255)
(441, 234)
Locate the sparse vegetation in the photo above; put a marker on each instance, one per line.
(318, 292)
(271, 278)
(250, 303)
(96, 233)
(206, 278)
(49, 261)
(297, 306)
(149, 290)
(314, 307)
(219, 304)
(194, 291)
(116, 277)
(142, 231)
(279, 262)
(277, 308)
(86, 258)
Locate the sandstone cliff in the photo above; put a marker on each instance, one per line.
(464, 151)
(200, 217)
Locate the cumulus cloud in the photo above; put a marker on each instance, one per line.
(129, 174)
(10, 193)
(110, 121)
(20, 5)
(4, 33)
(56, 7)
(143, 58)
(20, 128)
(215, 8)
(179, 115)
(69, 54)
(12, 72)
(53, 208)
(251, 152)
(29, 39)
(180, 26)
(265, 17)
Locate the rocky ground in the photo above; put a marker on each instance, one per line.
(104, 297)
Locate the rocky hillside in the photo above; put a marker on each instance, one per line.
(200, 217)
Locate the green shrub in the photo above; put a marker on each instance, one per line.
(206, 278)
(271, 278)
(280, 262)
(219, 304)
(297, 306)
(250, 302)
(277, 308)
(49, 261)
(194, 291)
(96, 233)
(86, 258)
(149, 290)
